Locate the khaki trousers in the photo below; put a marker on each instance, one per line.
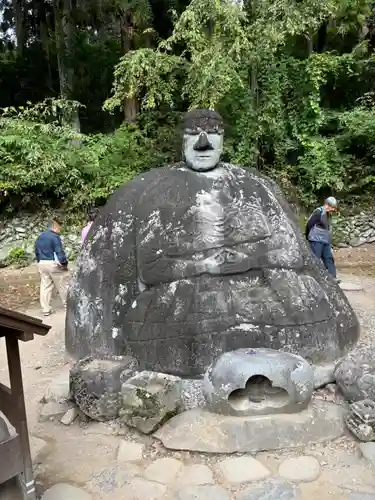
(52, 275)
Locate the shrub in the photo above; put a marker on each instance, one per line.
(17, 257)
(44, 162)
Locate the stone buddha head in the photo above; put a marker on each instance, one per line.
(203, 136)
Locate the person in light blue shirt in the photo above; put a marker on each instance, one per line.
(319, 234)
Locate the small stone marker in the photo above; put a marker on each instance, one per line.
(163, 470)
(300, 469)
(65, 492)
(130, 452)
(70, 416)
(243, 470)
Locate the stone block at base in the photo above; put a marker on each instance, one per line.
(200, 430)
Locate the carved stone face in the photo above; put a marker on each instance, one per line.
(203, 139)
(202, 149)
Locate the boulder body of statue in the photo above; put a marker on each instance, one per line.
(196, 259)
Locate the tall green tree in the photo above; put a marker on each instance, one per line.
(293, 80)
(267, 66)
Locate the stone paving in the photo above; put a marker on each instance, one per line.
(224, 478)
(135, 467)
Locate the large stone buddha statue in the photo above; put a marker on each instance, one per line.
(188, 261)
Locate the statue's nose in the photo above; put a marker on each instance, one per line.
(203, 144)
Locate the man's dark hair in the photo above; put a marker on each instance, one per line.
(54, 221)
(206, 119)
(92, 214)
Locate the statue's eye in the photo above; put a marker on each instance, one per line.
(192, 132)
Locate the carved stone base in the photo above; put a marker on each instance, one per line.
(361, 420)
(200, 430)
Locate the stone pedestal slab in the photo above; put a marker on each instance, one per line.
(200, 430)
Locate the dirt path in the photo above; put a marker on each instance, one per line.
(85, 455)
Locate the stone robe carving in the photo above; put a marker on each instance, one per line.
(183, 265)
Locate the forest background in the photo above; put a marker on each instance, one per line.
(92, 92)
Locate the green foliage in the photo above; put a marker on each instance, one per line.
(43, 160)
(294, 112)
(16, 257)
(292, 79)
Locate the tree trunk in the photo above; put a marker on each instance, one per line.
(255, 93)
(19, 16)
(130, 104)
(64, 32)
(44, 40)
(322, 38)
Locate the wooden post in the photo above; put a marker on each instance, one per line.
(15, 375)
(15, 457)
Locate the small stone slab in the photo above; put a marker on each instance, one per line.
(273, 489)
(70, 416)
(202, 493)
(54, 410)
(130, 452)
(141, 489)
(195, 475)
(200, 430)
(368, 451)
(65, 492)
(323, 374)
(163, 470)
(243, 470)
(300, 469)
(351, 287)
